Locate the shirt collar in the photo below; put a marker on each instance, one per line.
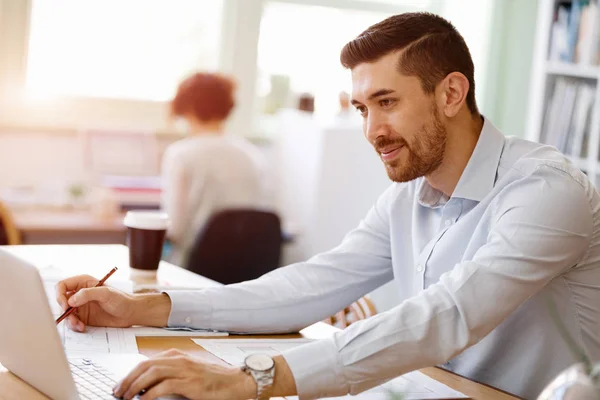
(479, 176)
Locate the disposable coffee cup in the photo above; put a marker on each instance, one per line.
(146, 232)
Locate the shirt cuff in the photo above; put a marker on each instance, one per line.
(190, 309)
(317, 370)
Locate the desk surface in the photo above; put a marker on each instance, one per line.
(94, 260)
(42, 220)
(57, 226)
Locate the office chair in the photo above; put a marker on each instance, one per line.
(9, 234)
(237, 245)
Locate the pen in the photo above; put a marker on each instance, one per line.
(69, 310)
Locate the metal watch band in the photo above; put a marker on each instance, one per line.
(264, 382)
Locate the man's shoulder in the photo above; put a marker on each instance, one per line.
(522, 158)
(539, 176)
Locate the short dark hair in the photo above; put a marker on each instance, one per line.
(432, 46)
(207, 96)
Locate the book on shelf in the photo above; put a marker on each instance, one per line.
(134, 192)
(575, 33)
(567, 117)
(588, 45)
(573, 30)
(581, 120)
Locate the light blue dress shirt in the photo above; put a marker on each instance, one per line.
(474, 271)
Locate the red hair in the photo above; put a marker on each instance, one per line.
(206, 96)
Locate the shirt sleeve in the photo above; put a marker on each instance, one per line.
(293, 297)
(174, 194)
(542, 227)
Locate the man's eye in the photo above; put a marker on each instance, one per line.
(362, 110)
(386, 102)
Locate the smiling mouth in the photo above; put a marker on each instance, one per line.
(391, 154)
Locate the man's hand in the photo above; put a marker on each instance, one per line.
(173, 372)
(106, 306)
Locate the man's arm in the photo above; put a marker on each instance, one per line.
(151, 310)
(533, 241)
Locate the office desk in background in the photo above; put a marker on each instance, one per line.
(48, 226)
(58, 226)
(95, 259)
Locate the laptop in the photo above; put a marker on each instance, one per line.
(31, 348)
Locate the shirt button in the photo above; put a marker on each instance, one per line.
(419, 268)
(188, 320)
(448, 222)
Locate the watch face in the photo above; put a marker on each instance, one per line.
(259, 362)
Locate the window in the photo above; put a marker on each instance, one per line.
(134, 49)
(407, 3)
(299, 51)
(113, 63)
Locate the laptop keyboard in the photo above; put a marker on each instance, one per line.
(92, 381)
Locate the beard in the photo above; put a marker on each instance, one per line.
(425, 152)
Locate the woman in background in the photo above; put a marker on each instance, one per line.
(209, 170)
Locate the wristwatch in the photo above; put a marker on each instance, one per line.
(261, 367)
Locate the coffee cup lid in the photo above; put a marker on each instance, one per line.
(150, 220)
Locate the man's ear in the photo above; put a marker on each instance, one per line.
(452, 93)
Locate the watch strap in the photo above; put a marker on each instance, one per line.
(264, 381)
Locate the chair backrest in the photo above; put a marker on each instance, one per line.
(363, 308)
(237, 245)
(9, 234)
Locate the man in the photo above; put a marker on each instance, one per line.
(478, 231)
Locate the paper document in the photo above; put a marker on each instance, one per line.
(412, 386)
(97, 340)
(235, 351)
(148, 331)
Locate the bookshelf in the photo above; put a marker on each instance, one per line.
(564, 105)
(573, 70)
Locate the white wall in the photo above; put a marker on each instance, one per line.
(473, 20)
(517, 30)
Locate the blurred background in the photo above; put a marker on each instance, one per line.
(85, 87)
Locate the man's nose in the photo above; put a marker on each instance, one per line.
(375, 127)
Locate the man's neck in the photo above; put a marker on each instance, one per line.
(462, 139)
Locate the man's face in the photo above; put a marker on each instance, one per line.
(400, 120)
